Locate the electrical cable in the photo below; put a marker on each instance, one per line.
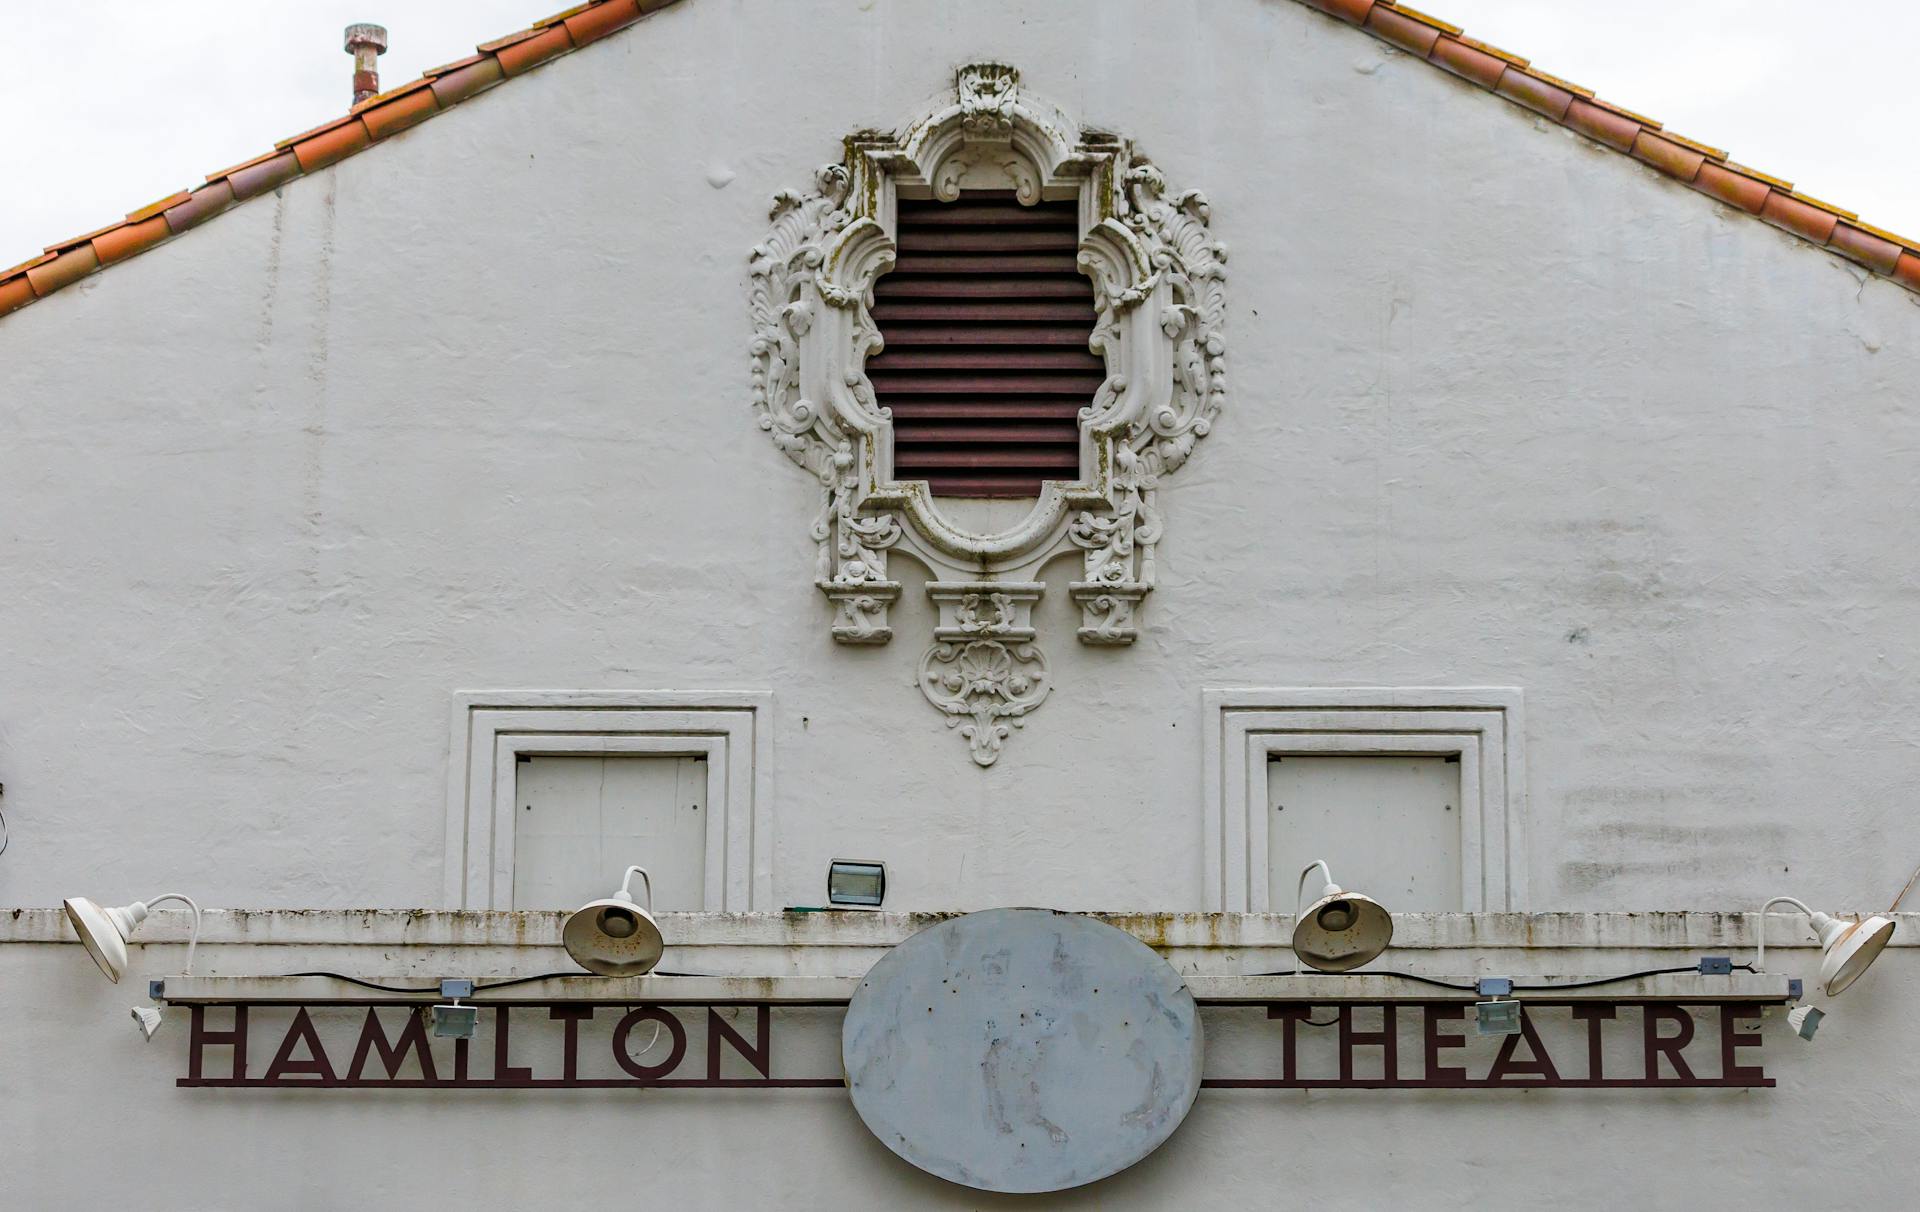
(1536, 988)
(435, 989)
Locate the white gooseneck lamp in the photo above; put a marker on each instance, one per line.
(105, 933)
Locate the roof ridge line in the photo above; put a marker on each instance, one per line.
(365, 124)
(1698, 165)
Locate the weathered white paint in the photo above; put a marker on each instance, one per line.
(470, 409)
(1388, 823)
(582, 819)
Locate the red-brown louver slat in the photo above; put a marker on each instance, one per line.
(986, 365)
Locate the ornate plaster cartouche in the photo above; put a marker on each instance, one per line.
(1159, 293)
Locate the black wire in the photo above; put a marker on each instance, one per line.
(1604, 980)
(435, 989)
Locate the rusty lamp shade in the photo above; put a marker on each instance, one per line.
(1341, 930)
(616, 936)
(105, 931)
(1847, 947)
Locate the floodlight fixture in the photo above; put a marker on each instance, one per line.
(1501, 1016)
(1341, 930)
(853, 882)
(616, 936)
(1847, 946)
(1805, 1020)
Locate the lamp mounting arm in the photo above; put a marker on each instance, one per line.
(1760, 952)
(193, 939)
(646, 882)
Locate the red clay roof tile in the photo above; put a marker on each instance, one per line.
(1735, 189)
(130, 238)
(1401, 30)
(1668, 156)
(478, 76)
(1870, 250)
(15, 292)
(593, 21)
(153, 208)
(64, 270)
(1353, 12)
(522, 56)
(333, 146)
(201, 205)
(1469, 62)
(400, 113)
(1703, 167)
(1790, 213)
(1602, 125)
(264, 175)
(1536, 94)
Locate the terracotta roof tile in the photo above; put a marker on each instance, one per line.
(1735, 189)
(1790, 213)
(1473, 64)
(1535, 93)
(1674, 159)
(130, 238)
(1445, 46)
(399, 114)
(593, 21)
(153, 208)
(264, 175)
(478, 76)
(201, 205)
(1603, 125)
(1353, 12)
(15, 292)
(64, 270)
(523, 56)
(1401, 30)
(1880, 256)
(1907, 272)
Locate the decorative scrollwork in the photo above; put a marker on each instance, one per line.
(984, 687)
(1159, 299)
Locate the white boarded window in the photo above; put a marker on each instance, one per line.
(1388, 825)
(580, 820)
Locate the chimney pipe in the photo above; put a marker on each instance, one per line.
(366, 43)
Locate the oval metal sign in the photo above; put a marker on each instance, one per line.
(1022, 1050)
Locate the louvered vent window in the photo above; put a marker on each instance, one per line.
(986, 364)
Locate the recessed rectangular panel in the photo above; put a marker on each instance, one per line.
(1389, 827)
(580, 821)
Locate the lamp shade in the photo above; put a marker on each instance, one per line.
(1848, 947)
(615, 936)
(1341, 930)
(105, 931)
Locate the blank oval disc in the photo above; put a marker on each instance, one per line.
(1022, 1050)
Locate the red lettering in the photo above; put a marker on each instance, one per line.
(504, 1070)
(1386, 1039)
(1436, 1040)
(1668, 1046)
(1731, 1037)
(198, 1038)
(1541, 1066)
(392, 1055)
(760, 1056)
(1593, 1016)
(669, 1024)
(284, 1064)
(1289, 1017)
(573, 1016)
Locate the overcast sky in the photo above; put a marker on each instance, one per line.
(111, 104)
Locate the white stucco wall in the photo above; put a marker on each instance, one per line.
(470, 410)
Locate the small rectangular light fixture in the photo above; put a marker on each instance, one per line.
(850, 882)
(1498, 1017)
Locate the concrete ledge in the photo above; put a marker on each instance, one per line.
(1680, 931)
